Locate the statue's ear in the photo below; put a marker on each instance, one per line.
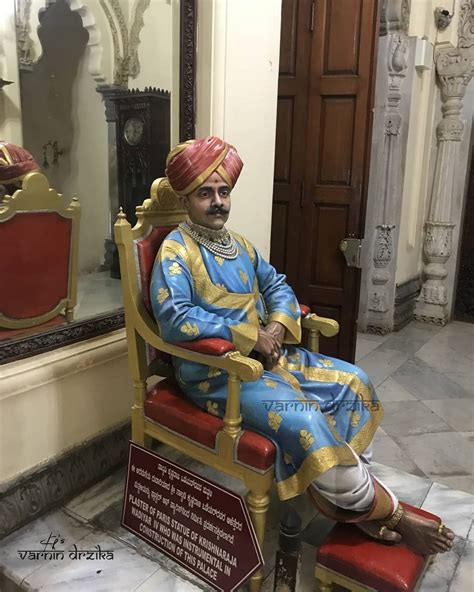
(184, 201)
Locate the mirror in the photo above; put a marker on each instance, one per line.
(106, 88)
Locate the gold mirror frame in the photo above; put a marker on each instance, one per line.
(23, 347)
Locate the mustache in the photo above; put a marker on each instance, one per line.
(213, 210)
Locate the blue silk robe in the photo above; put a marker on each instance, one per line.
(309, 405)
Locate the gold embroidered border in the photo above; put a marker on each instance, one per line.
(244, 337)
(293, 328)
(314, 465)
(287, 376)
(211, 293)
(170, 249)
(338, 376)
(247, 245)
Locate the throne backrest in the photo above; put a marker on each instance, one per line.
(38, 254)
(156, 218)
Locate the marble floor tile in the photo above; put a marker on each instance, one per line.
(99, 497)
(414, 366)
(430, 385)
(455, 507)
(164, 581)
(460, 482)
(390, 390)
(459, 415)
(408, 488)
(443, 358)
(388, 452)
(457, 327)
(379, 365)
(406, 418)
(459, 342)
(442, 454)
(121, 574)
(29, 538)
(372, 337)
(419, 331)
(408, 345)
(464, 379)
(468, 435)
(442, 570)
(364, 347)
(464, 576)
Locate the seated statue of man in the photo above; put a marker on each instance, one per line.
(321, 413)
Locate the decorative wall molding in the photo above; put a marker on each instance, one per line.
(26, 53)
(394, 16)
(187, 71)
(32, 494)
(454, 69)
(135, 29)
(388, 194)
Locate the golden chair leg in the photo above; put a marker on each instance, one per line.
(69, 314)
(325, 586)
(138, 416)
(258, 506)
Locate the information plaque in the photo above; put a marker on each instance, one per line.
(204, 527)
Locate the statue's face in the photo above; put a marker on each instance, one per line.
(209, 204)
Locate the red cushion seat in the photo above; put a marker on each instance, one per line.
(166, 405)
(388, 568)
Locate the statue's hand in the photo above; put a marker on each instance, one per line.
(277, 330)
(268, 346)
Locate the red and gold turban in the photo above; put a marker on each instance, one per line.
(192, 162)
(15, 163)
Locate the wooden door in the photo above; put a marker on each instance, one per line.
(326, 195)
(464, 306)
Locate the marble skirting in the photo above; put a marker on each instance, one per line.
(405, 300)
(30, 495)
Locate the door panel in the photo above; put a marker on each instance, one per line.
(291, 136)
(322, 153)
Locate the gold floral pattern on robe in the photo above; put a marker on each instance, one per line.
(163, 294)
(287, 458)
(293, 307)
(220, 260)
(213, 372)
(203, 386)
(243, 276)
(332, 426)
(175, 269)
(221, 286)
(212, 408)
(190, 329)
(355, 419)
(306, 439)
(327, 363)
(274, 420)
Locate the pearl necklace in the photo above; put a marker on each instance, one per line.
(219, 242)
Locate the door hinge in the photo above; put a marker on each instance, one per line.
(351, 249)
(312, 16)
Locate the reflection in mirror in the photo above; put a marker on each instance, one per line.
(94, 139)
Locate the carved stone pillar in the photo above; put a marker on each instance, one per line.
(386, 189)
(455, 68)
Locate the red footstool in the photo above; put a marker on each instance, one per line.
(351, 559)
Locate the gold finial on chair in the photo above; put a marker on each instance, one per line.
(121, 214)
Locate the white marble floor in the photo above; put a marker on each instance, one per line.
(424, 377)
(97, 293)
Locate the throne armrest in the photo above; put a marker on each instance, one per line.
(208, 347)
(328, 327)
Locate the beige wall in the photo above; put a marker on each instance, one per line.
(239, 43)
(54, 401)
(10, 108)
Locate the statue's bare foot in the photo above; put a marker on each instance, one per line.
(372, 529)
(422, 534)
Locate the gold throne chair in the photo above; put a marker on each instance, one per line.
(162, 412)
(39, 237)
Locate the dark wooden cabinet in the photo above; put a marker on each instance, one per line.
(143, 143)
